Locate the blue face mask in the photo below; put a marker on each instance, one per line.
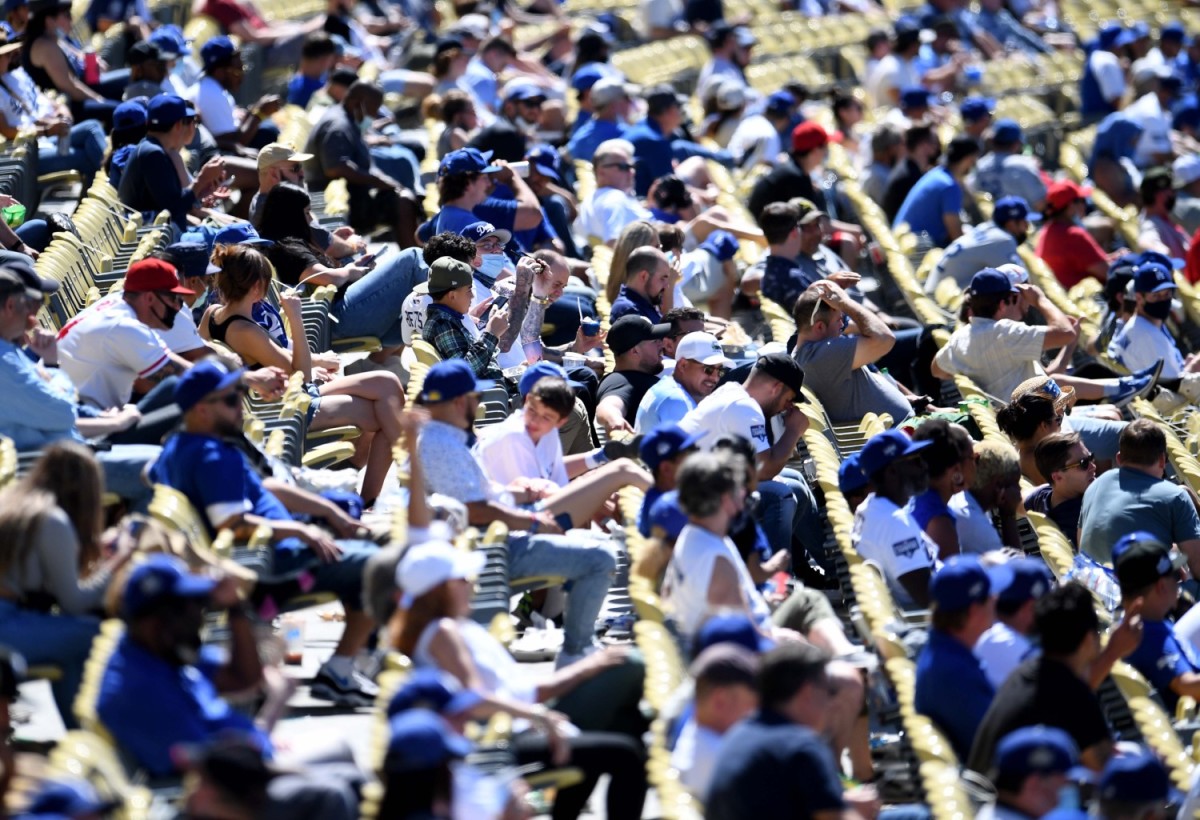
(493, 265)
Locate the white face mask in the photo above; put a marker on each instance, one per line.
(493, 265)
(364, 127)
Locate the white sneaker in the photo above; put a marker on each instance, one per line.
(567, 658)
(537, 644)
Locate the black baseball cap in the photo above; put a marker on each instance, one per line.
(18, 275)
(782, 368)
(630, 331)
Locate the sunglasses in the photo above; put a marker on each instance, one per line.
(712, 369)
(621, 166)
(1058, 418)
(1082, 464)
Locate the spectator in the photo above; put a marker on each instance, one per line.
(147, 71)
(450, 289)
(482, 77)
(996, 21)
(636, 344)
(317, 58)
(884, 528)
(839, 368)
(1069, 469)
(129, 128)
(934, 203)
(922, 149)
(610, 106)
(731, 48)
(952, 689)
(1017, 586)
(887, 151)
(976, 115)
(795, 259)
(520, 111)
(213, 98)
(898, 69)
(950, 460)
(280, 43)
(56, 63)
(758, 138)
(1064, 245)
(340, 152)
(647, 284)
(612, 206)
(1136, 497)
(1157, 229)
(1031, 773)
(1152, 111)
(1102, 87)
(699, 363)
(1144, 340)
(465, 181)
(1111, 165)
(987, 245)
(852, 483)
(659, 151)
(459, 119)
(278, 162)
(662, 450)
(994, 494)
(1136, 785)
(1006, 171)
(792, 178)
(555, 194)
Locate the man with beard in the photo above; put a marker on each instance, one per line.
(698, 365)
(987, 245)
(636, 344)
(647, 277)
(214, 100)
(885, 531)
(1145, 339)
(520, 112)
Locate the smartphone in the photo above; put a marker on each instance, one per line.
(365, 261)
(497, 303)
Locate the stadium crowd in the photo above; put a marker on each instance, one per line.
(710, 408)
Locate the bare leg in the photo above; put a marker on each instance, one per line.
(846, 730)
(584, 496)
(359, 626)
(828, 634)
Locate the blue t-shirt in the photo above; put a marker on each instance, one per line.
(301, 89)
(218, 479)
(936, 194)
(630, 302)
(150, 705)
(928, 506)
(652, 495)
(952, 690)
(502, 214)
(1161, 657)
(652, 154)
(587, 139)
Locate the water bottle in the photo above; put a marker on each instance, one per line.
(91, 68)
(64, 144)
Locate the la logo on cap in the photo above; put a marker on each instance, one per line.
(891, 450)
(1041, 757)
(663, 448)
(150, 585)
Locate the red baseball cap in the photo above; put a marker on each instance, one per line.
(1062, 193)
(154, 274)
(807, 136)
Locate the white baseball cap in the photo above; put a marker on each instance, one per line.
(427, 565)
(1015, 273)
(702, 347)
(1186, 170)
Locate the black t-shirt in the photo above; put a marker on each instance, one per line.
(1065, 515)
(503, 139)
(292, 257)
(1039, 691)
(630, 386)
(786, 181)
(904, 176)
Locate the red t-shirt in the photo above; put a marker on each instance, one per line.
(229, 12)
(1069, 251)
(1192, 270)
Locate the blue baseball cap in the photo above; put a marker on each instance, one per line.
(202, 379)
(1137, 778)
(240, 233)
(13, 5)
(159, 577)
(129, 115)
(167, 109)
(721, 244)
(666, 442)
(731, 627)
(666, 515)
(420, 740)
(522, 90)
(1013, 207)
(991, 282)
(435, 690)
(479, 231)
(1035, 750)
(192, 259)
(974, 109)
(961, 582)
(884, 448)
(216, 51)
(1139, 29)
(1173, 263)
(1187, 115)
(544, 370)
(68, 797)
(449, 379)
(1022, 579)
(170, 41)
(850, 475)
(1114, 35)
(467, 161)
(1151, 277)
(547, 160)
(780, 102)
(1140, 559)
(916, 96)
(586, 77)
(1006, 132)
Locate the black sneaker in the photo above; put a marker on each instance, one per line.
(355, 691)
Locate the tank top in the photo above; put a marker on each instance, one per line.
(217, 331)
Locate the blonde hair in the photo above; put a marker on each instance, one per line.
(636, 235)
(994, 460)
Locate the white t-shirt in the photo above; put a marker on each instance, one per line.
(695, 756)
(664, 403)
(685, 588)
(997, 354)
(1148, 112)
(976, 532)
(1106, 68)
(1001, 650)
(889, 537)
(414, 309)
(891, 74)
(105, 348)
(1139, 344)
(215, 106)
(728, 411)
(506, 453)
(755, 140)
(181, 338)
(608, 212)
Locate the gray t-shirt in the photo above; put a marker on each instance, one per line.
(984, 246)
(1126, 500)
(848, 393)
(1010, 175)
(1187, 213)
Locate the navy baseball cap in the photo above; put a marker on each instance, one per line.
(1114, 35)
(1172, 262)
(586, 77)
(666, 515)
(721, 244)
(435, 690)
(1013, 207)
(129, 115)
(13, 5)
(544, 370)
(68, 797)
(216, 51)
(1140, 559)
(991, 282)
(547, 160)
(780, 102)
(161, 576)
(522, 91)
(916, 96)
(167, 109)
(449, 379)
(1186, 115)
(467, 161)
(1022, 579)
(961, 582)
(731, 627)
(1035, 750)
(421, 740)
(201, 380)
(1137, 778)
(1151, 277)
(240, 233)
(850, 475)
(192, 259)
(1006, 131)
(1174, 30)
(884, 448)
(665, 442)
(170, 41)
(974, 109)
(479, 231)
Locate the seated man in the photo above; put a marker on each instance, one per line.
(228, 492)
(934, 204)
(232, 128)
(1008, 643)
(449, 328)
(699, 362)
(1030, 773)
(1136, 497)
(647, 280)
(1145, 340)
(613, 205)
(536, 547)
(663, 450)
(987, 245)
(884, 528)
(1064, 459)
(952, 689)
(637, 348)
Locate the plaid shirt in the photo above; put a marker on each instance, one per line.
(445, 331)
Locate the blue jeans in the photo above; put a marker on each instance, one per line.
(123, 465)
(371, 306)
(88, 143)
(343, 578)
(35, 233)
(788, 511)
(160, 415)
(587, 564)
(1101, 436)
(61, 640)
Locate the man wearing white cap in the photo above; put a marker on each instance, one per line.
(698, 365)
(1186, 173)
(610, 108)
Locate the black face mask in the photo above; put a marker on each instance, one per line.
(1158, 310)
(1170, 203)
(169, 312)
